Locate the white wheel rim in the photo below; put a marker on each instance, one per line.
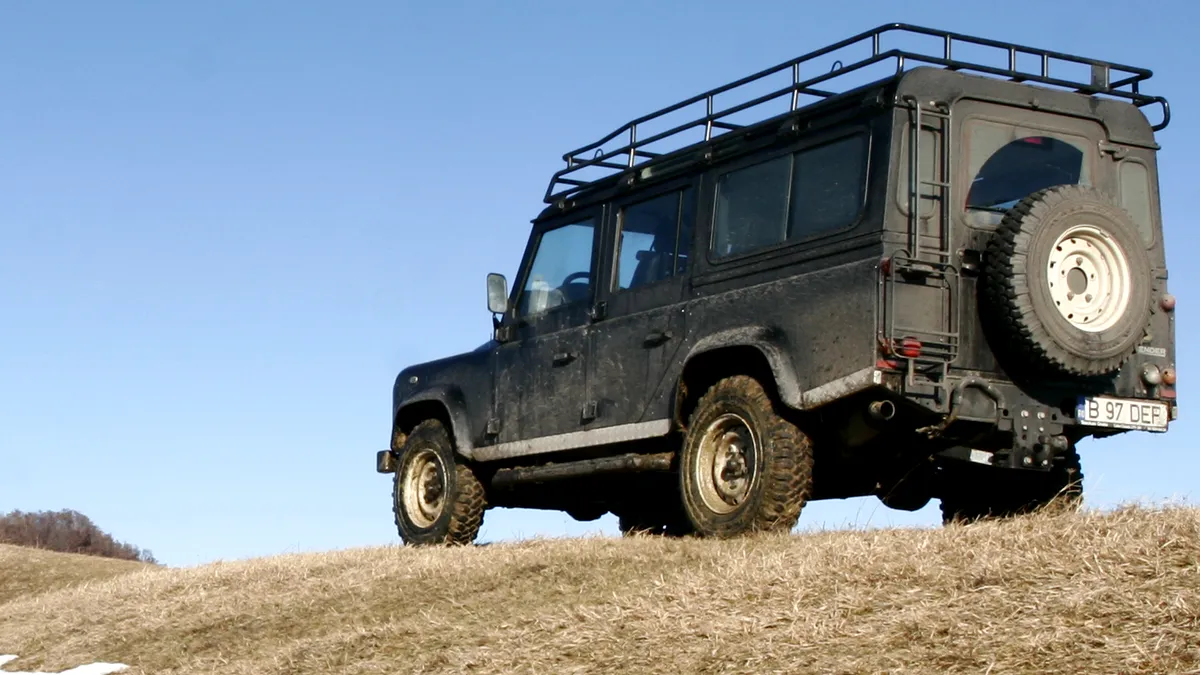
(1089, 278)
(726, 463)
(424, 488)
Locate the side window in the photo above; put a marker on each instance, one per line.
(752, 207)
(827, 187)
(653, 240)
(561, 269)
(1135, 197)
(789, 198)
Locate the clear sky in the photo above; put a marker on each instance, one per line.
(225, 226)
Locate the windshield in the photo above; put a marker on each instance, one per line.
(1008, 164)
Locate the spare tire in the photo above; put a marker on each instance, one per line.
(1069, 282)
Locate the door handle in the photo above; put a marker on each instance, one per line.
(563, 358)
(657, 337)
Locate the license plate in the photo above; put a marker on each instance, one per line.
(1122, 413)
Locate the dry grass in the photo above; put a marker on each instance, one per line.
(1093, 593)
(29, 571)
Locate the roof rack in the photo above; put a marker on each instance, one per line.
(1106, 78)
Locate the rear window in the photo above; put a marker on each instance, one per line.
(1135, 197)
(1006, 164)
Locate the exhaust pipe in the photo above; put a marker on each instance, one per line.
(882, 411)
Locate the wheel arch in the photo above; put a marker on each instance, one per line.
(443, 403)
(755, 351)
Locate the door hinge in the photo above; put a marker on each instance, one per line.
(598, 311)
(1117, 151)
(589, 411)
(493, 427)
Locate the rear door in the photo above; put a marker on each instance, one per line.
(1005, 154)
(637, 341)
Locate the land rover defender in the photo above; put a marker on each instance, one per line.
(928, 282)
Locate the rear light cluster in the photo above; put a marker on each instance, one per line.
(1167, 376)
(907, 348)
(1162, 380)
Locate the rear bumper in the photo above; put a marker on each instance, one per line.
(987, 420)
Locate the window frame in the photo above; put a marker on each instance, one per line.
(715, 176)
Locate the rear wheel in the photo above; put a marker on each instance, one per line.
(436, 499)
(978, 493)
(744, 468)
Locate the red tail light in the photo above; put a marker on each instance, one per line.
(909, 348)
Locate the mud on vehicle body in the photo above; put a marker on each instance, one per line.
(930, 284)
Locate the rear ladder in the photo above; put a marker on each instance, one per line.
(922, 335)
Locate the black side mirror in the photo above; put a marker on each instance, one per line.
(497, 293)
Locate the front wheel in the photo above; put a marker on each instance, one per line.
(744, 468)
(436, 499)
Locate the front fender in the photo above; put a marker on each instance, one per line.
(770, 343)
(451, 400)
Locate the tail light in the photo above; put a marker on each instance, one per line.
(909, 348)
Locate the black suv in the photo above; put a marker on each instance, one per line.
(931, 282)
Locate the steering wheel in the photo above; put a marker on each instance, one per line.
(573, 276)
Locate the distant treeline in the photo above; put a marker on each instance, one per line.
(67, 532)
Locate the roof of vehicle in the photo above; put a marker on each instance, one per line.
(640, 147)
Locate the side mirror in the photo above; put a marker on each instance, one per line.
(497, 292)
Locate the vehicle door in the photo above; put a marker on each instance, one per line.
(634, 345)
(541, 371)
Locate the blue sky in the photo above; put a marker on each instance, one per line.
(224, 227)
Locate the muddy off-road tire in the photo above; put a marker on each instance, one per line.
(979, 493)
(436, 498)
(1068, 282)
(744, 468)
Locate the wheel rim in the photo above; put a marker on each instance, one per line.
(1089, 277)
(424, 488)
(726, 464)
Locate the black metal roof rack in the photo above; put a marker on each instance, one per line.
(1106, 78)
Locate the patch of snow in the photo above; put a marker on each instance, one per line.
(89, 669)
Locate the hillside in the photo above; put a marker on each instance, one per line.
(1095, 593)
(28, 571)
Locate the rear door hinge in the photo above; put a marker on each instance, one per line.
(1117, 151)
(493, 427)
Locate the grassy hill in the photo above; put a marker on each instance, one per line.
(1093, 593)
(27, 571)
